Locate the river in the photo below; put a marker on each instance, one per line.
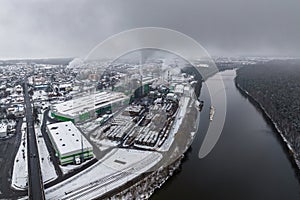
(248, 162)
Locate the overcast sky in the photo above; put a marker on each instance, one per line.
(41, 29)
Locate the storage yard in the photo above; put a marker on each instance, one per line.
(147, 123)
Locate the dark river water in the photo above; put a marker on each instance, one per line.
(248, 162)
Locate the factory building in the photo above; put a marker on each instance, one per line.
(70, 145)
(88, 107)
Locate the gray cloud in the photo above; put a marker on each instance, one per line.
(71, 28)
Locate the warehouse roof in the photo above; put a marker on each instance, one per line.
(88, 102)
(68, 138)
(179, 89)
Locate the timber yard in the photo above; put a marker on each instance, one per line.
(89, 132)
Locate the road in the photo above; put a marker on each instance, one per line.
(8, 149)
(36, 187)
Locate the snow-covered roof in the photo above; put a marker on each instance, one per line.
(65, 85)
(68, 138)
(3, 128)
(89, 102)
(179, 89)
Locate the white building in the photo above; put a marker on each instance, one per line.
(179, 89)
(3, 130)
(70, 145)
(88, 106)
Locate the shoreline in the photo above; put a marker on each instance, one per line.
(145, 185)
(286, 144)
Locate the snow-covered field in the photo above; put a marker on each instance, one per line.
(20, 170)
(115, 169)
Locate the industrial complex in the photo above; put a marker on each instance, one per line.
(107, 126)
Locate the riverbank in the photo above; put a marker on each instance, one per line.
(248, 162)
(285, 142)
(146, 184)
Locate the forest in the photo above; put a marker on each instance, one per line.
(276, 86)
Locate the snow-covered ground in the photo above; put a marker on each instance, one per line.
(47, 167)
(104, 143)
(85, 126)
(115, 169)
(20, 170)
(69, 168)
(89, 126)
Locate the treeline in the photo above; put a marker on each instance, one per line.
(50, 61)
(276, 85)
